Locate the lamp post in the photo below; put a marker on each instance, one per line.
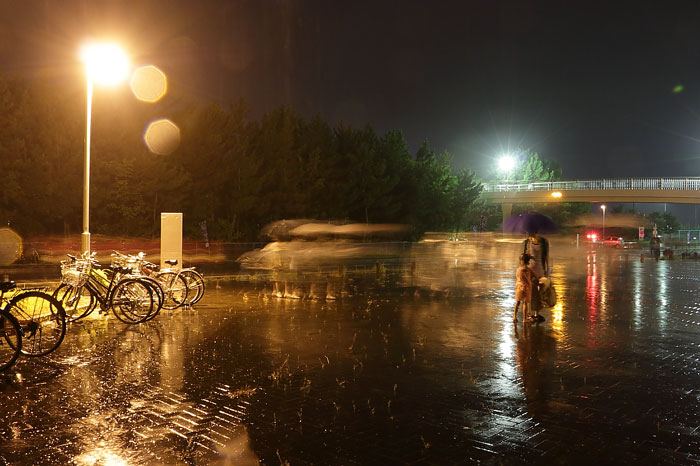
(603, 209)
(107, 64)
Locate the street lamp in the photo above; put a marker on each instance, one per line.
(107, 64)
(603, 208)
(506, 164)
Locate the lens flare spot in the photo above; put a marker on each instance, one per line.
(162, 136)
(678, 89)
(148, 83)
(10, 246)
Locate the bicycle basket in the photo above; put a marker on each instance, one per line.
(74, 273)
(120, 260)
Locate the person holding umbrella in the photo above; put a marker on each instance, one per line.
(537, 247)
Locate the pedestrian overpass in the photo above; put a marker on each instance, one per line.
(650, 190)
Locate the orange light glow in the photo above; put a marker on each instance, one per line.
(105, 62)
(557, 194)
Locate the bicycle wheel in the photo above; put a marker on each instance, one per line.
(10, 340)
(195, 286)
(131, 301)
(42, 319)
(175, 288)
(77, 301)
(158, 295)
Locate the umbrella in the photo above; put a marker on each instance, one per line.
(281, 229)
(529, 222)
(314, 229)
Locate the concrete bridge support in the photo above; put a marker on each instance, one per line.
(506, 209)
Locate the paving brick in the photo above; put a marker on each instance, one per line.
(380, 378)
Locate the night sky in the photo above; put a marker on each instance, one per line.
(605, 88)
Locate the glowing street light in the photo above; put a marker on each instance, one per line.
(603, 209)
(106, 64)
(506, 164)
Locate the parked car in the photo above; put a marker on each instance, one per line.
(614, 241)
(618, 242)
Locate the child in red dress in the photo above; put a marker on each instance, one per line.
(524, 279)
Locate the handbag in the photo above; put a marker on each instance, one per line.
(548, 294)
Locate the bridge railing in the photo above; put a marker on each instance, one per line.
(692, 184)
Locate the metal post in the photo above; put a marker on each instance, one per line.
(85, 238)
(603, 224)
(603, 207)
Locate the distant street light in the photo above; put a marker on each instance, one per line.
(603, 208)
(506, 164)
(107, 64)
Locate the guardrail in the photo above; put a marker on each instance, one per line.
(686, 184)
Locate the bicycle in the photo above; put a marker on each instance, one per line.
(85, 284)
(41, 318)
(193, 279)
(128, 263)
(177, 283)
(10, 333)
(195, 283)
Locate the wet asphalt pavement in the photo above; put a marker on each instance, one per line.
(418, 364)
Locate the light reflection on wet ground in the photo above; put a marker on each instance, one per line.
(431, 371)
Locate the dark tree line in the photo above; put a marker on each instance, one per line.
(230, 170)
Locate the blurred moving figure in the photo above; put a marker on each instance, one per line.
(305, 250)
(655, 247)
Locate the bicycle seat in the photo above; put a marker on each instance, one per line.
(7, 286)
(171, 262)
